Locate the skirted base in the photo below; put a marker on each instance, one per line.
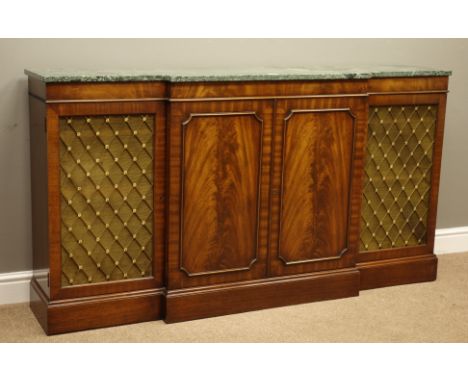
(63, 316)
(189, 304)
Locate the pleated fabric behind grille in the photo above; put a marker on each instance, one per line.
(106, 175)
(397, 176)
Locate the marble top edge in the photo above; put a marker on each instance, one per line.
(260, 74)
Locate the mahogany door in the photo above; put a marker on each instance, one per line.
(401, 176)
(316, 184)
(219, 175)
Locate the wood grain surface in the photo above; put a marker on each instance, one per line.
(217, 300)
(316, 184)
(254, 200)
(220, 192)
(440, 101)
(218, 187)
(263, 89)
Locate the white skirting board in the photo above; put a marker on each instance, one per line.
(14, 286)
(451, 240)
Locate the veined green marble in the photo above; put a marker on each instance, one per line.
(259, 74)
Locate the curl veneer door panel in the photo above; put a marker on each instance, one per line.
(219, 181)
(316, 184)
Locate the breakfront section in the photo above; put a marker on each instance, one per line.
(219, 156)
(219, 177)
(180, 196)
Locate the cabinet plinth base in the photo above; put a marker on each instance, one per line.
(195, 303)
(382, 273)
(64, 316)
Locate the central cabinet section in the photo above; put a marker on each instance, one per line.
(263, 188)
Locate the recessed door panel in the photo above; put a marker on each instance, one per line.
(315, 190)
(397, 176)
(316, 184)
(220, 204)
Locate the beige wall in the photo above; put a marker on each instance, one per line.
(15, 55)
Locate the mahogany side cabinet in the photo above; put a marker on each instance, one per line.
(179, 196)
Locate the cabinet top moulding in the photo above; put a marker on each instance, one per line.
(53, 86)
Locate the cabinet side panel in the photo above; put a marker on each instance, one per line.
(39, 199)
(316, 185)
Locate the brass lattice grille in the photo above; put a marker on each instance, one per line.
(106, 184)
(397, 176)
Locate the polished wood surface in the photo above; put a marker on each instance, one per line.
(183, 305)
(317, 158)
(264, 89)
(405, 84)
(105, 91)
(53, 213)
(221, 173)
(331, 180)
(71, 109)
(257, 196)
(37, 88)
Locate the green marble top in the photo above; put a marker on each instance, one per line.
(259, 74)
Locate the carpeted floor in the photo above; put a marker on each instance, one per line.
(426, 312)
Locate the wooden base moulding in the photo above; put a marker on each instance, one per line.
(196, 303)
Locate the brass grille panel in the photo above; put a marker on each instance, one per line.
(397, 176)
(106, 185)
